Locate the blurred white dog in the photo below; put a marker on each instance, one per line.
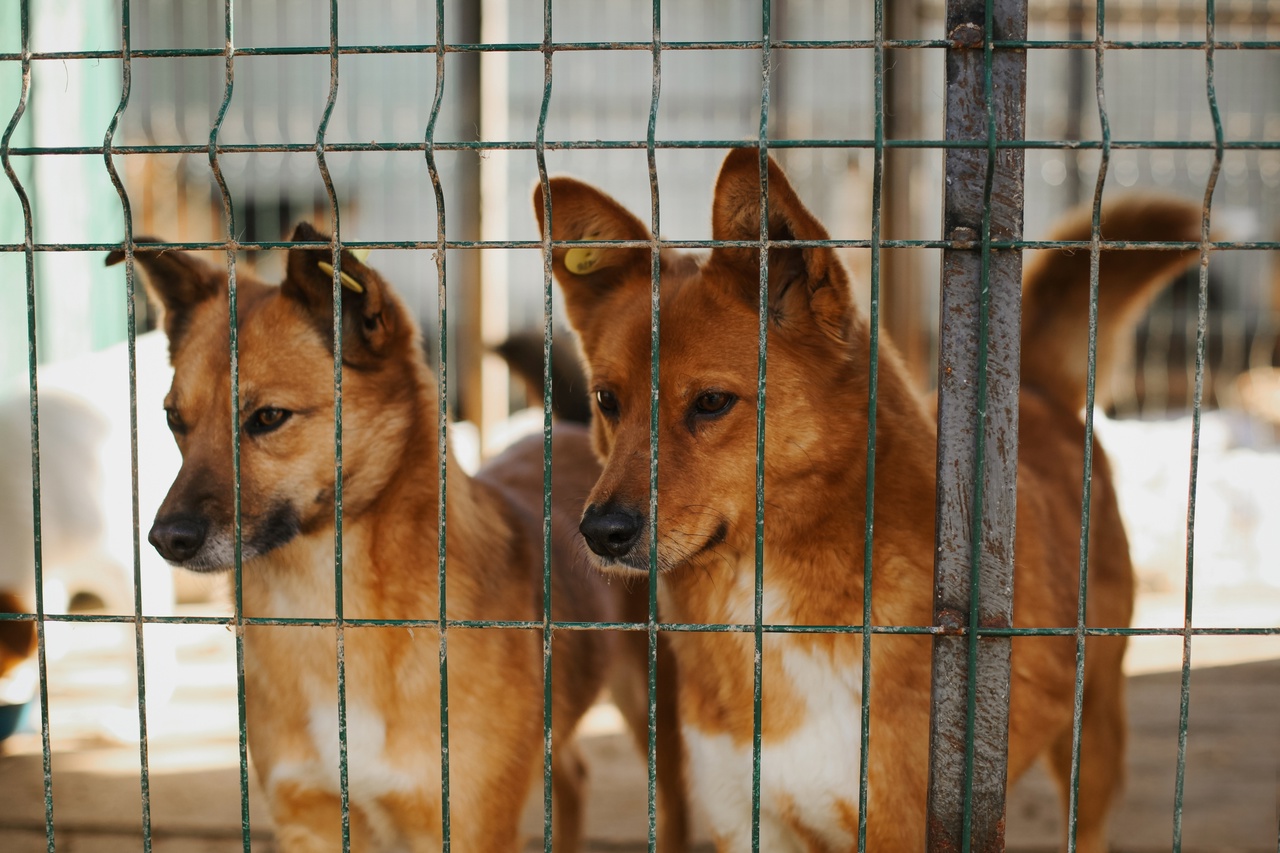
(86, 512)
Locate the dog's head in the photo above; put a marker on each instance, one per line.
(708, 367)
(285, 408)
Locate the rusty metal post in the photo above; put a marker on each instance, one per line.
(977, 427)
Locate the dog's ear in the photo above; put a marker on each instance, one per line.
(804, 282)
(372, 318)
(581, 212)
(175, 280)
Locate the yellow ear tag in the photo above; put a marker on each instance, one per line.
(347, 281)
(580, 261)
(360, 255)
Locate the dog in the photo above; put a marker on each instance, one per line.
(814, 515)
(390, 499)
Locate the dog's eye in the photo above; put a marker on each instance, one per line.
(176, 424)
(608, 403)
(713, 403)
(266, 419)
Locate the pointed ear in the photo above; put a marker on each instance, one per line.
(373, 320)
(805, 283)
(581, 212)
(174, 280)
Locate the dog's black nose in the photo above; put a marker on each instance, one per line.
(612, 530)
(178, 538)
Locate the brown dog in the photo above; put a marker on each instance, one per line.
(814, 473)
(390, 545)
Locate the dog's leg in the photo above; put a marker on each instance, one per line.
(483, 820)
(310, 821)
(568, 773)
(1102, 742)
(491, 829)
(629, 688)
(673, 812)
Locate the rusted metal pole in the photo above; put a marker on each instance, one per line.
(977, 427)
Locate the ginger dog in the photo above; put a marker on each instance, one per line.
(814, 480)
(390, 500)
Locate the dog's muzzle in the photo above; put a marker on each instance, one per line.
(178, 538)
(612, 530)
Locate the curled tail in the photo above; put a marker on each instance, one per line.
(1055, 292)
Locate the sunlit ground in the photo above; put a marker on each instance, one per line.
(1232, 759)
(1233, 751)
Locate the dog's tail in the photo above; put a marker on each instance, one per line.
(1055, 292)
(570, 400)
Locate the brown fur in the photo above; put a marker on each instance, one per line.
(17, 638)
(390, 505)
(814, 481)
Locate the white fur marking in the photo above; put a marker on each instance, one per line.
(369, 775)
(812, 767)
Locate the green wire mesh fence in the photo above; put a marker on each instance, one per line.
(986, 47)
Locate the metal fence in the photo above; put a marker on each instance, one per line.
(248, 177)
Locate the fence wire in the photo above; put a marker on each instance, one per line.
(989, 146)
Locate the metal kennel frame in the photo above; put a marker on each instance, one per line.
(986, 46)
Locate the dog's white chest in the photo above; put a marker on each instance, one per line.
(809, 777)
(301, 664)
(370, 774)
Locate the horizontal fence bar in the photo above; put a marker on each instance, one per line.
(647, 46)
(687, 627)
(418, 245)
(637, 145)
(181, 833)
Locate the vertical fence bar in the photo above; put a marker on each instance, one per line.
(28, 254)
(548, 632)
(977, 427)
(758, 610)
(1202, 316)
(540, 152)
(873, 383)
(442, 427)
(655, 260)
(229, 57)
(131, 340)
(1086, 491)
(344, 793)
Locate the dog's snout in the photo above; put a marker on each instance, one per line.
(178, 538)
(611, 530)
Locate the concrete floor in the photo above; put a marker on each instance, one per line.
(1232, 772)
